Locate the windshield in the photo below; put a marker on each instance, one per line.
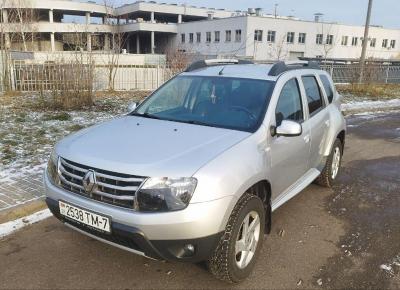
(232, 103)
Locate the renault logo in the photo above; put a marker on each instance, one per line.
(89, 181)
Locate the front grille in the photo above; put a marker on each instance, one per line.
(111, 187)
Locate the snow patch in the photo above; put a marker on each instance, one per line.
(12, 226)
(368, 105)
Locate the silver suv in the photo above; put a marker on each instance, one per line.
(195, 171)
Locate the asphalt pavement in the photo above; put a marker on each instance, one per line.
(345, 237)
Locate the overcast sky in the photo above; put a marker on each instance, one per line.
(385, 12)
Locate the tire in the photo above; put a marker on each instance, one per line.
(223, 262)
(328, 176)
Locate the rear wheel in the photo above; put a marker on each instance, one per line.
(236, 253)
(332, 167)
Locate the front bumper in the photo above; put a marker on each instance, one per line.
(155, 235)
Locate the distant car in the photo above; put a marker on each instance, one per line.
(194, 172)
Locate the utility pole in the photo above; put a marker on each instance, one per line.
(276, 10)
(365, 43)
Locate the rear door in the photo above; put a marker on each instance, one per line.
(318, 119)
(289, 155)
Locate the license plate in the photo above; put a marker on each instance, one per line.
(85, 217)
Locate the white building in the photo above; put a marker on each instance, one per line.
(149, 27)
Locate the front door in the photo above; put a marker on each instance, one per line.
(289, 155)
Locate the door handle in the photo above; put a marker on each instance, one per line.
(307, 138)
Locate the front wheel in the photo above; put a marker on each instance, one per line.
(236, 253)
(332, 166)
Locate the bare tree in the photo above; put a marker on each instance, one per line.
(278, 50)
(113, 44)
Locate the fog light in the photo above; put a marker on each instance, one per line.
(189, 248)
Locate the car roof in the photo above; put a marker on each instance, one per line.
(248, 71)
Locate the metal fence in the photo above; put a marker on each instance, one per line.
(51, 76)
(373, 73)
(30, 77)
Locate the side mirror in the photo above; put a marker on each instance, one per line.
(289, 129)
(132, 107)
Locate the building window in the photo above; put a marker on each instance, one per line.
(373, 42)
(345, 40)
(329, 39)
(228, 35)
(393, 43)
(271, 36)
(354, 41)
(258, 35)
(191, 37)
(198, 37)
(290, 37)
(385, 43)
(216, 36)
(208, 36)
(302, 38)
(183, 37)
(319, 39)
(238, 35)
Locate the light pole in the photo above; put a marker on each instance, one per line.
(365, 42)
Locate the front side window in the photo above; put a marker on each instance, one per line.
(328, 87)
(216, 36)
(290, 37)
(319, 39)
(258, 35)
(289, 105)
(271, 36)
(228, 35)
(314, 97)
(232, 103)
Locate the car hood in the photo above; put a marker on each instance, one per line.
(147, 147)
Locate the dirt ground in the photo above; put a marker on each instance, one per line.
(345, 237)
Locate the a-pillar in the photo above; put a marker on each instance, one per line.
(51, 17)
(52, 41)
(6, 35)
(180, 18)
(137, 43)
(89, 41)
(152, 42)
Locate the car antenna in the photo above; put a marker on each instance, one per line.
(221, 71)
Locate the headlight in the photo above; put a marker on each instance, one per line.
(52, 168)
(165, 194)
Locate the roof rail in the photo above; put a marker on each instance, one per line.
(213, 62)
(281, 66)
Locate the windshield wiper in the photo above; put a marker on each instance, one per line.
(146, 115)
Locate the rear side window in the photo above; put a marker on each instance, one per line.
(314, 97)
(328, 87)
(289, 104)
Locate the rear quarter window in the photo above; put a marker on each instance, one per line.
(328, 87)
